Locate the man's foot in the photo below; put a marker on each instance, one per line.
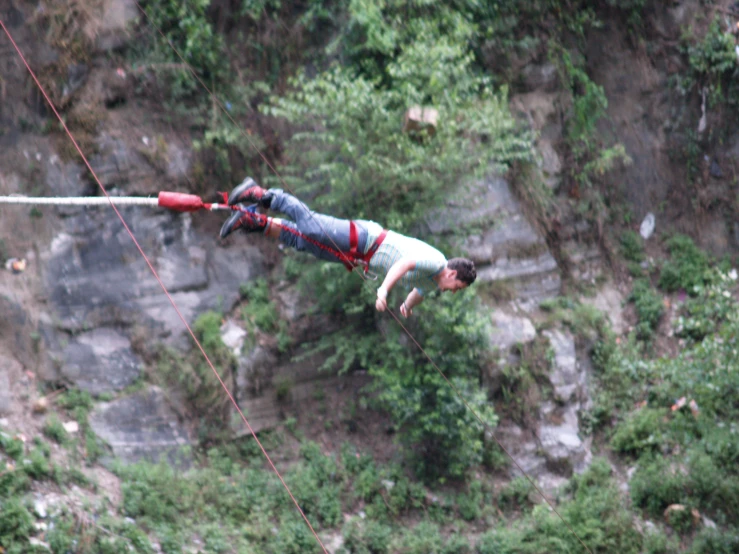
(249, 221)
(250, 191)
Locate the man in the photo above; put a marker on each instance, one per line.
(415, 265)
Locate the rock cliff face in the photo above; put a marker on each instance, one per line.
(78, 314)
(504, 245)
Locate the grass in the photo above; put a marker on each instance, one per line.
(54, 429)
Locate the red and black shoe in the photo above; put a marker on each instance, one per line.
(250, 191)
(250, 222)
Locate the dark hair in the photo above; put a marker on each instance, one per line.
(465, 269)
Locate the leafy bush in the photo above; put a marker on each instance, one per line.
(631, 246)
(294, 537)
(260, 310)
(596, 514)
(685, 456)
(77, 402)
(686, 268)
(470, 504)
(515, 495)
(359, 154)
(424, 538)
(13, 482)
(366, 537)
(649, 308)
(656, 542)
(713, 541)
(457, 544)
(713, 62)
(499, 541)
(16, 523)
(704, 313)
(194, 378)
(12, 446)
(72, 532)
(153, 492)
(316, 486)
(185, 26)
(38, 465)
(442, 435)
(642, 431)
(589, 103)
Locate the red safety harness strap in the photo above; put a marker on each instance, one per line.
(355, 258)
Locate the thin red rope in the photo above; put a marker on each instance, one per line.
(164, 288)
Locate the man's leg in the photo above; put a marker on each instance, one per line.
(276, 199)
(317, 234)
(308, 229)
(281, 201)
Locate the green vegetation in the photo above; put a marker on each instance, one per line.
(260, 313)
(54, 429)
(632, 249)
(362, 65)
(191, 376)
(649, 308)
(185, 27)
(86, 445)
(713, 62)
(442, 436)
(359, 152)
(685, 455)
(232, 505)
(687, 267)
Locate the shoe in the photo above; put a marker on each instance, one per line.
(249, 221)
(250, 191)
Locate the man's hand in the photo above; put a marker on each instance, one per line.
(405, 310)
(381, 302)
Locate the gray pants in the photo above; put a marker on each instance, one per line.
(324, 229)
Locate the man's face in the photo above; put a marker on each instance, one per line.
(450, 282)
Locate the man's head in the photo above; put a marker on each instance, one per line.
(458, 274)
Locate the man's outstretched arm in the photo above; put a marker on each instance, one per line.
(399, 268)
(413, 299)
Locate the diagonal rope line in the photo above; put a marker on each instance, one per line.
(161, 284)
(456, 390)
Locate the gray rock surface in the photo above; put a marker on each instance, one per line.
(509, 330)
(16, 331)
(559, 430)
(564, 375)
(142, 426)
(610, 302)
(554, 448)
(97, 277)
(100, 361)
(117, 18)
(267, 390)
(540, 77)
(254, 372)
(501, 241)
(7, 366)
